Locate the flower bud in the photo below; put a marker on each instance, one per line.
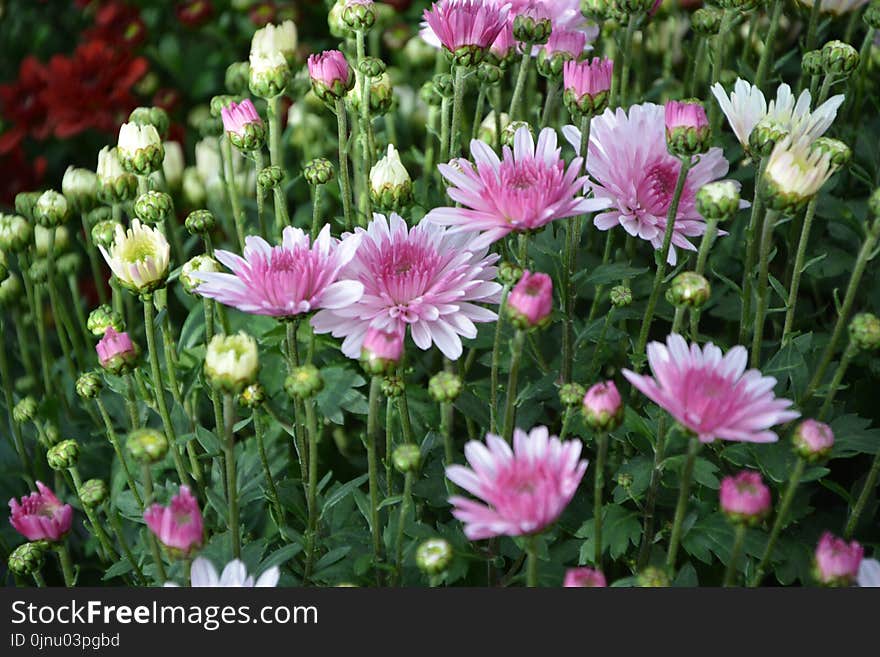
(794, 174)
(530, 302)
(38, 272)
(813, 440)
(811, 63)
(88, 385)
(330, 75)
(744, 498)
(116, 351)
(706, 21)
(153, 207)
(104, 232)
(509, 133)
(621, 296)
(509, 273)
(839, 58)
(115, 184)
(25, 202)
(154, 116)
(51, 209)
(839, 153)
(139, 257)
(390, 184)
(652, 577)
(10, 290)
(687, 128)
(80, 188)
(532, 26)
(100, 213)
(433, 556)
(392, 386)
(487, 132)
(572, 394)
(718, 200)
(874, 203)
(836, 562)
(587, 86)
(232, 362)
(872, 15)
(318, 172)
(602, 10)
(359, 15)
(93, 493)
(270, 177)
(563, 46)
(68, 264)
(444, 387)
(25, 410)
(147, 445)
(304, 382)
(140, 148)
(603, 408)
(277, 39)
(864, 331)
(41, 240)
(192, 188)
(189, 277)
(406, 458)
(253, 395)
(15, 233)
(269, 75)
(443, 85)
(382, 350)
(688, 290)
(584, 578)
(28, 558)
(381, 95)
(237, 78)
(102, 318)
(243, 126)
(64, 455)
(49, 436)
(489, 74)
(200, 222)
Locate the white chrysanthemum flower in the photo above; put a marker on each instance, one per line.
(173, 164)
(41, 239)
(109, 166)
(389, 172)
(135, 136)
(234, 575)
(795, 172)
(746, 107)
(281, 39)
(138, 257)
(266, 62)
(869, 573)
(837, 7)
(231, 361)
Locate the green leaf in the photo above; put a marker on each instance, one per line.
(340, 493)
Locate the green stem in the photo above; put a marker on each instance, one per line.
(848, 354)
(693, 67)
(94, 262)
(24, 345)
(519, 91)
(458, 85)
(620, 94)
(681, 507)
(797, 271)
(316, 211)
(66, 564)
(231, 480)
(718, 62)
(810, 42)
(405, 505)
(516, 349)
(344, 175)
(38, 579)
(598, 487)
(825, 89)
(651, 496)
(389, 447)
(764, 62)
(661, 259)
(702, 258)
(755, 221)
(445, 129)
(113, 516)
(276, 158)
(403, 410)
(606, 258)
(8, 387)
(600, 343)
(97, 527)
(478, 113)
(312, 426)
(156, 552)
(738, 540)
(862, 501)
(373, 437)
(550, 101)
(259, 164)
(271, 489)
(496, 362)
(114, 441)
(232, 190)
(532, 562)
(781, 515)
(770, 218)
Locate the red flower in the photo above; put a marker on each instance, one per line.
(194, 13)
(22, 107)
(91, 89)
(17, 174)
(119, 24)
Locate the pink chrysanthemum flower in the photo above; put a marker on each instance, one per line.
(570, 42)
(584, 578)
(286, 280)
(836, 562)
(423, 278)
(465, 23)
(631, 168)
(178, 525)
(531, 299)
(115, 350)
(524, 191)
(588, 77)
(238, 115)
(524, 489)
(41, 515)
(712, 394)
(744, 497)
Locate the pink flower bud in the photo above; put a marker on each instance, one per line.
(238, 115)
(836, 561)
(685, 115)
(588, 77)
(813, 440)
(603, 408)
(116, 351)
(41, 516)
(687, 128)
(381, 350)
(330, 73)
(531, 300)
(744, 497)
(178, 525)
(584, 577)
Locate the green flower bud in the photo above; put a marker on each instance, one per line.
(406, 458)
(467, 56)
(381, 95)
(153, 207)
(433, 556)
(718, 200)
(154, 116)
(551, 64)
(104, 232)
(688, 290)
(304, 382)
(140, 148)
(69, 264)
(706, 21)
(392, 386)
(428, 94)
(811, 63)
(102, 318)
(41, 240)
(270, 178)
(51, 209)
(38, 272)
(489, 74)
(93, 493)
(443, 85)
(269, 75)
(508, 133)
(444, 387)
(64, 455)
(15, 233)
(237, 78)
(509, 273)
(50, 435)
(652, 577)
(98, 214)
(602, 11)
(765, 136)
(531, 29)
(839, 58)
(147, 445)
(874, 203)
(572, 394)
(25, 202)
(25, 410)
(864, 331)
(359, 15)
(232, 362)
(80, 188)
(372, 67)
(10, 290)
(88, 385)
(252, 396)
(200, 222)
(191, 268)
(28, 558)
(621, 296)
(318, 172)
(391, 187)
(839, 153)
(872, 15)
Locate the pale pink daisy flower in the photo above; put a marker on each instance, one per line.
(465, 23)
(424, 278)
(568, 42)
(524, 489)
(286, 280)
(712, 394)
(523, 191)
(234, 575)
(584, 578)
(178, 525)
(633, 171)
(41, 516)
